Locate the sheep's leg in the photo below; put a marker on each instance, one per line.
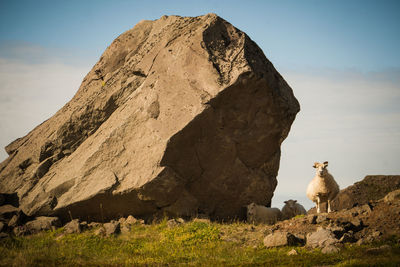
(329, 206)
(318, 204)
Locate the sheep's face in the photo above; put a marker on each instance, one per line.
(251, 209)
(321, 168)
(291, 203)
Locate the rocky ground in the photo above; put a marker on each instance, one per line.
(362, 224)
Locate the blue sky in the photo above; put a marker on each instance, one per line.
(341, 58)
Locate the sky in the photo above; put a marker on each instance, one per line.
(341, 59)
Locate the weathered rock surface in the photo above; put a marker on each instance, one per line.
(42, 223)
(278, 239)
(182, 115)
(73, 226)
(371, 188)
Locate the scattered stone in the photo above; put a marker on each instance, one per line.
(73, 227)
(330, 249)
(42, 223)
(20, 230)
(201, 220)
(122, 220)
(278, 239)
(347, 238)
(131, 220)
(321, 238)
(292, 252)
(173, 222)
(338, 231)
(84, 225)
(112, 228)
(321, 218)
(312, 219)
(100, 231)
(93, 225)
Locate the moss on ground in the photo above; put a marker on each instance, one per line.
(192, 243)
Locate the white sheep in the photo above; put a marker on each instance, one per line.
(291, 209)
(323, 188)
(262, 214)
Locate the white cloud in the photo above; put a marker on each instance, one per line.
(351, 119)
(31, 93)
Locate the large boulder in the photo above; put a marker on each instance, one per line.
(371, 188)
(181, 115)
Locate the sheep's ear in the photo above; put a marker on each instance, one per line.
(285, 202)
(294, 201)
(315, 164)
(326, 164)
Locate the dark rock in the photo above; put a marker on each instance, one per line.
(73, 226)
(42, 223)
(312, 219)
(278, 239)
(20, 230)
(2, 199)
(347, 238)
(371, 188)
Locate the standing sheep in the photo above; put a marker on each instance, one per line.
(262, 214)
(291, 209)
(323, 188)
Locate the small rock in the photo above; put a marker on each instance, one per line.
(321, 238)
(173, 222)
(100, 231)
(347, 238)
(338, 231)
(278, 239)
(84, 225)
(201, 220)
(321, 218)
(73, 227)
(330, 249)
(122, 220)
(20, 231)
(42, 223)
(112, 228)
(131, 220)
(292, 252)
(312, 219)
(125, 228)
(180, 220)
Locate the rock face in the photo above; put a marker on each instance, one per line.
(371, 188)
(182, 115)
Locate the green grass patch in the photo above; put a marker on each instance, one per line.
(193, 243)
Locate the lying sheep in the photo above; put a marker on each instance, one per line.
(323, 188)
(291, 209)
(262, 214)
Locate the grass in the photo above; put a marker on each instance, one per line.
(192, 243)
